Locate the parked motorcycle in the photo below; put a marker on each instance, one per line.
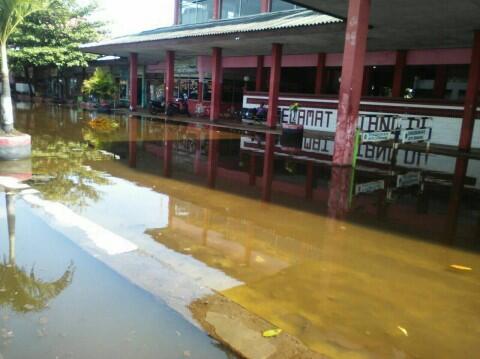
(179, 107)
(157, 107)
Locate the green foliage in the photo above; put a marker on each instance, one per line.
(100, 85)
(52, 37)
(13, 13)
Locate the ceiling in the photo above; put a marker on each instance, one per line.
(412, 24)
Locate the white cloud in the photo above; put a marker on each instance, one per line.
(128, 17)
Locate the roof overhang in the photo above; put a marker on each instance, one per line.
(296, 30)
(412, 24)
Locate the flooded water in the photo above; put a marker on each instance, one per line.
(383, 262)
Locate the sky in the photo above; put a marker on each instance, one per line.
(128, 17)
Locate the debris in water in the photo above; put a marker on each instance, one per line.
(259, 259)
(272, 333)
(187, 249)
(187, 354)
(403, 330)
(29, 307)
(178, 333)
(460, 267)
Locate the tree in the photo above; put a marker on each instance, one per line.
(101, 85)
(52, 37)
(12, 14)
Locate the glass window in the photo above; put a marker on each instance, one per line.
(279, 5)
(418, 81)
(236, 8)
(196, 11)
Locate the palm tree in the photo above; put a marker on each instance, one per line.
(12, 13)
(22, 290)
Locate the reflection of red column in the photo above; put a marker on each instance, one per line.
(339, 192)
(212, 156)
(216, 84)
(461, 167)
(200, 92)
(309, 181)
(259, 75)
(252, 173)
(440, 81)
(167, 152)
(133, 81)
(198, 154)
(274, 89)
(400, 63)
(132, 141)
(169, 76)
(268, 164)
(320, 73)
(471, 97)
(352, 78)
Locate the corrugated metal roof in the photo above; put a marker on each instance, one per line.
(260, 22)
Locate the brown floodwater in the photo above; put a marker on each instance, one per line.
(352, 270)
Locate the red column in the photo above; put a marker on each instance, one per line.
(440, 81)
(320, 74)
(274, 90)
(339, 192)
(133, 81)
(167, 152)
(352, 78)
(252, 175)
(471, 97)
(309, 181)
(132, 141)
(268, 164)
(259, 75)
(216, 9)
(169, 76)
(400, 64)
(265, 5)
(200, 92)
(212, 156)
(176, 12)
(216, 83)
(461, 167)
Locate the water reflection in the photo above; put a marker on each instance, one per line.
(22, 290)
(348, 261)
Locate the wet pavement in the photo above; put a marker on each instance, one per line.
(381, 262)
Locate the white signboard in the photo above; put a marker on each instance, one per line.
(409, 179)
(416, 135)
(370, 187)
(379, 136)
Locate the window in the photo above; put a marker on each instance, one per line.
(236, 8)
(279, 5)
(196, 11)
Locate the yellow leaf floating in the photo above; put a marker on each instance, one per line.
(272, 333)
(460, 267)
(403, 330)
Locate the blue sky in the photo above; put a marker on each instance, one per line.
(127, 17)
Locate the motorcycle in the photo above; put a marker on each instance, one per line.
(157, 107)
(179, 107)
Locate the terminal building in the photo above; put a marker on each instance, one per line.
(376, 66)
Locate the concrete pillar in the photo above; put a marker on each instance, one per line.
(177, 12)
(400, 64)
(252, 171)
(471, 97)
(213, 142)
(268, 167)
(339, 192)
(217, 74)
(320, 74)
(217, 5)
(259, 75)
(309, 181)
(167, 151)
(352, 79)
(133, 85)
(169, 76)
(132, 141)
(265, 5)
(274, 89)
(440, 85)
